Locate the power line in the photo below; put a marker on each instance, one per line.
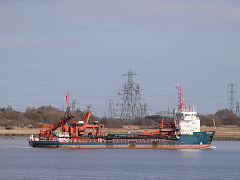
(231, 98)
(111, 110)
(233, 102)
(130, 104)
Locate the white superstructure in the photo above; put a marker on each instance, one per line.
(187, 120)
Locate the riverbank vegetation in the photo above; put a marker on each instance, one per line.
(34, 117)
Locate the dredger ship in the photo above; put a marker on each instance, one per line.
(183, 133)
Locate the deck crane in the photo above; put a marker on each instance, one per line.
(51, 127)
(75, 128)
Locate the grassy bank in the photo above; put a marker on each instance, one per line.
(225, 132)
(222, 133)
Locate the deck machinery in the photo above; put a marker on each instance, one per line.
(82, 129)
(73, 129)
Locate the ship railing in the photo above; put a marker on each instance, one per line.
(47, 139)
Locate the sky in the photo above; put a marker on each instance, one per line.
(48, 47)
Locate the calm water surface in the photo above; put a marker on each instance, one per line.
(19, 161)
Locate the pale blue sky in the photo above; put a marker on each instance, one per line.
(49, 46)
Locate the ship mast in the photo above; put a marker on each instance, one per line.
(180, 98)
(68, 103)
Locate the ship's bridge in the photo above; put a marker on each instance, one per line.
(187, 120)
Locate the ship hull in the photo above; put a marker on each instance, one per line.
(199, 140)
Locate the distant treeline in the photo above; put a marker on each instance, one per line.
(221, 117)
(34, 117)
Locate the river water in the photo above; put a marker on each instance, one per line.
(19, 161)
